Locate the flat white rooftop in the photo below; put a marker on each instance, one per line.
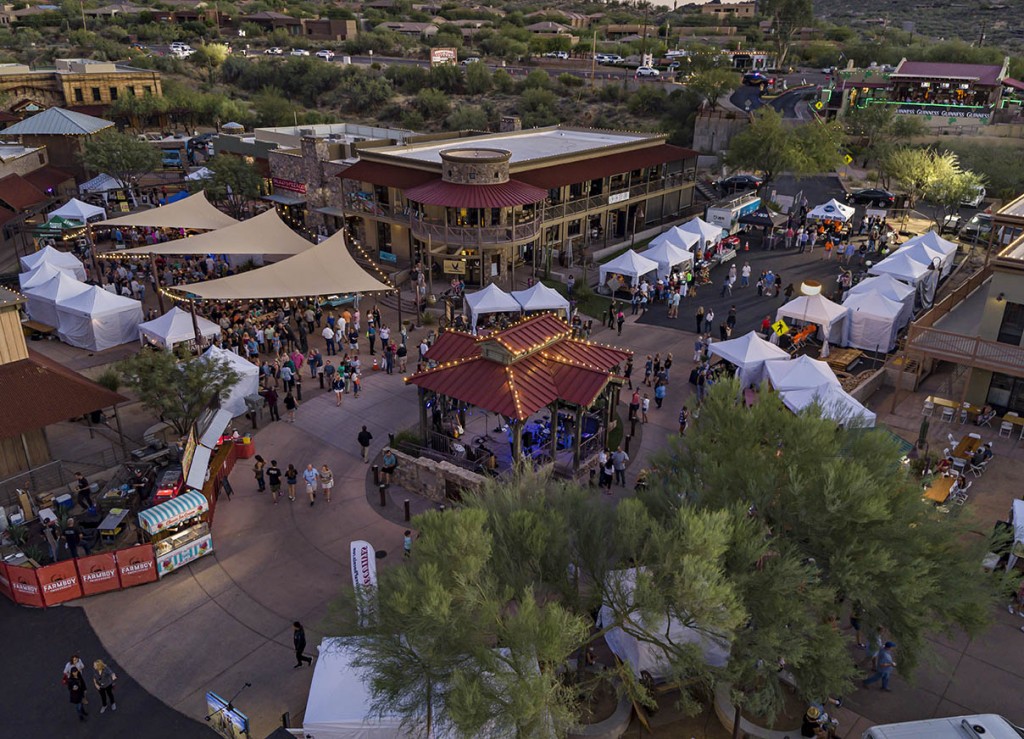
(525, 146)
(14, 151)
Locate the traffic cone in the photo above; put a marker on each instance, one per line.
(375, 365)
(746, 246)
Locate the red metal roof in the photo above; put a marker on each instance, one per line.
(984, 74)
(388, 175)
(39, 392)
(17, 193)
(1015, 84)
(566, 369)
(49, 178)
(500, 195)
(591, 169)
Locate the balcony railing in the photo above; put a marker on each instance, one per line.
(966, 350)
(567, 208)
(468, 236)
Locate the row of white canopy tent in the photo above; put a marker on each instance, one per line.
(492, 299)
(86, 316)
(801, 383)
(920, 262)
(54, 259)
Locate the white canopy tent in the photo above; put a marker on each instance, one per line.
(492, 299)
(703, 230)
(541, 297)
(248, 383)
(934, 242)
(800, 373)
(100, 185)
(76, 210)
(96, 319)
(902, 266)
(643, 656)
(175, 327)
(324, 269)
(921, 252)
(42, 300)
(817, 309)
(43, 273)
(65, 260)
(751, 354)
(873, 322)
(203, 173)
(194, 212)
(677, 237)
(833, 209)
(834, 402)
(628, 264)
(668, 255)
(889, 287)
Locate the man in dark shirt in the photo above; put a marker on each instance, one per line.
(84, 494)
(364, 438)
(274, 478)
(270, 395)
(73, 537)
(299, 639)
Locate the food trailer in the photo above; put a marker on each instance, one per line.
(179, 530)
(727, 213)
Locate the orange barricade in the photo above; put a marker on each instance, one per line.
(59, 582)
(5, 582)
(25, 586)
(136, 565)
(98, 573)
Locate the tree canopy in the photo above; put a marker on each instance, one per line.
(234, 183)
(711, 84)
(122, 156)
(772, 146)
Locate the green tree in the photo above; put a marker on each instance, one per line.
(713, 83)
(503, 81)
(787, 17)
(467, 117)
(478, 79)
(918, 170)
(537, 79)
(771, 146)
(875, 129)
(124, 157)
(210, 57)
(432, 104)
(177, 388)
(234, 184)
(272, 108)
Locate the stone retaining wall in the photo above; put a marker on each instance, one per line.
(432, 479)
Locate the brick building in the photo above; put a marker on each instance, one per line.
(81, 85)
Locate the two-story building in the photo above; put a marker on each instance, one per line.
(82, 85)
(724, 11)
(493, 201)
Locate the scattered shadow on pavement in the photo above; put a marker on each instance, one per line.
(34, 703)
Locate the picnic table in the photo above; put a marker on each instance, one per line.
(1017, 421)
(939, 490)
(967, 447)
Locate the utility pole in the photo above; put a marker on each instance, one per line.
(593, 61)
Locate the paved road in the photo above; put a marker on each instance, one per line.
(33, 702)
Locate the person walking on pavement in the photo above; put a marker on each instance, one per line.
(364, 438)
(311, 474)
(328, 334)
(709, 320)
(73, 661)
(274, 476)
(291, 476)
(884, 668)
(326, 482)
(259, 470)
(619, 459)
(103, 679)
(699, 318)
(371, 336)
(684, 419)
(270, 396)
(76, 692)
(407, 544)
(299, 640)
(290, 404)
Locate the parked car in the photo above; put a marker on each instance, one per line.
(951, 224)
(977, 229)
(647, 72)
(300, 52)
(975, 201)
(871, 196)
(325, 54)
(673, 66)
(470, 60)
(755, 79)
(179, 46)
(739, 183)
(557, 55)
(275, 51)
(608, 59)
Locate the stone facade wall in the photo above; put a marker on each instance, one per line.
(475, 167)
(311, 165)
(431, 479)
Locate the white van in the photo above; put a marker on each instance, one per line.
(975, 200)
(979, 726)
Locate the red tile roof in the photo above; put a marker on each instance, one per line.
(49, 178)
(455, 195)
(388, 175)
(603, 166)
(39, 392)
(984, 74)
(6, 215)
(17, 193)
(566, 369)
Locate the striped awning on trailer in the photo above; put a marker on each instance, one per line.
(159, 517)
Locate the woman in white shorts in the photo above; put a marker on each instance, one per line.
(326, 482)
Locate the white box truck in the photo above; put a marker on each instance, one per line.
(978, 726)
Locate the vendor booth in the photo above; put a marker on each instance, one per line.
(906, 268)
(491, 299)
(819, 310)
(540, 297)
(676, 237)
(629, 265)
(643, 656)
(834, 402)
(176, 327)
(873, 323)
(751, 355)
(934, 242)
(801, 373)
(101, 184)
(41, 301)
(62, 259)
(82, 213)
(248, 383)
(178, 530)
(96, 319)
(888, 287)
(704, 231)
(764, 218)
(921, 252)
(669, 257)
(833, 210)
(40, 275)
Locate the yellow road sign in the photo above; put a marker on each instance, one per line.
(780, 328)
(819, 105)
(848, 159)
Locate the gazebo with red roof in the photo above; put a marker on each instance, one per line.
(532, 366)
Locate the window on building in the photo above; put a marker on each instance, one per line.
(147, 89)
(79, 97)
(1006, 393)
(1012, 328)
(113, 93)
(96, 95)
(574, 228)
(131, 91)
(596, 187)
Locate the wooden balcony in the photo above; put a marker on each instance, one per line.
(969, 351)
(471, 236)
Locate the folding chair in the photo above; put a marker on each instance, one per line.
(965, 411)
(974, 435)
(978, 469)
(928, 409)
(947, 414)
(959, 463)
(1006, 428)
